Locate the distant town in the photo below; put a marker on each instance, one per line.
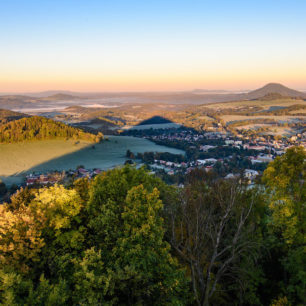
(246, 157)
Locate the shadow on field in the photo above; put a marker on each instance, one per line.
(69, 161)
(104, 155)
(155, 120)
(107, 154)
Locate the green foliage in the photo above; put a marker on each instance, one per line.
(286, 196)
(3, 189)
(285, 180)
(216, 233)
(60, 246)
(39, 128)
(105, 241)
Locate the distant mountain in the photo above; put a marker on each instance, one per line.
(194, 97)
(274, 88)
(59, 97)
(48, 93)
(12, 101)
(22, 101)
(208, 91)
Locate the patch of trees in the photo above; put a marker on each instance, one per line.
(149, 157)
(287, 110)
(251, 121)
(127, 238)
(3, 189)
(39, 128)
(155, 120)
(100, 243)
(8, 115)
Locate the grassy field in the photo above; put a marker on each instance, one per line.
(152, 126)
(18, 159)
(232, 118)
(265, 104)
(300, 111)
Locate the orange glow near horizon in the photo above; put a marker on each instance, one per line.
(165, 74)
(162, 83)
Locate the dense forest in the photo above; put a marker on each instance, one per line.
(40, 128)
(127, 238)
(8, 115)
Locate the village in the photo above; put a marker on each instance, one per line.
(254, 154)
(54, 177)
(229, 155)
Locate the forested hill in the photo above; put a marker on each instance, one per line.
(40, 128)
(8, 115)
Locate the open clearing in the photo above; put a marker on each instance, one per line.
(233, 118)
(265, 104)
(272, 129)
(153, 126)
(20, 158)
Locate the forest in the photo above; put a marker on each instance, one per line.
(127, 238)
(40, 128)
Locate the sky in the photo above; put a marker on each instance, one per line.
(116, 45)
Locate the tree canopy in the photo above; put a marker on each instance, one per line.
(58, 246)
(40, 128)
(127, 238)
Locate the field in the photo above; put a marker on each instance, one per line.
(42, 156)
(152, 126)
(232, 118)
(264, 104)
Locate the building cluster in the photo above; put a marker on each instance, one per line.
(51, 178)
(260, 150)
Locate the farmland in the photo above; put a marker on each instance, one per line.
(232, 118)
(265, 104)
(20, 158)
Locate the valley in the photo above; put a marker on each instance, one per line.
(19, 159)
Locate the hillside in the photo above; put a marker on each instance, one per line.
(274, 88)
(23, 101)
(59, 97)
(39, 128)
(195, 97)
(7, 115)
(11, 101)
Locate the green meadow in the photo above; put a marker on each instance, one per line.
(20, 158)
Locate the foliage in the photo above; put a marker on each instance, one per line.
(286, 196)
(39, 128)
(3, 188)
(215, 233)
(101, 242)
(127, 238)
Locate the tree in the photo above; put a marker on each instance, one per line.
(125, 211)
(213, 232)
(3, 189)
(101, 242)
(284, 180)
(20, 240)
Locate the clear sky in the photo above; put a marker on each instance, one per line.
(143, 45)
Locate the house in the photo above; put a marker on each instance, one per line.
(257, 148)
(210, 160)
(250, 174)
(256, 161)
(231, 176)
(265, 158)
(208, 168)
(205, 148)
(201, 161)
